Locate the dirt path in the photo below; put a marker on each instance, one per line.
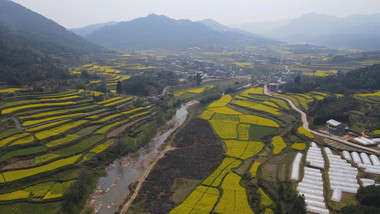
(142, 179)
(306, 125)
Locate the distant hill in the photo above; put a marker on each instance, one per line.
(84, 31)
(222, 28)
(262, 28)
(25, 20)
(358, 32)
(24, 59)
(155, 32)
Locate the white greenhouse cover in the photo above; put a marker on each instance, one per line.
(296, 166)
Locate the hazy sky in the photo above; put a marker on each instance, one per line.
(78, 13)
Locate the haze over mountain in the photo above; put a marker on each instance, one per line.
(358, 31)
(84, 31)
(156, 31)
(223, 28)
(27, 21)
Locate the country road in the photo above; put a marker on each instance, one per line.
(142, 179)
(306, 126)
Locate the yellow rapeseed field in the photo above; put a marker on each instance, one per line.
(259, 90)
(17, 108)
(223, 110)
(257, 120)
(304, 132)
(299, 146)
(253, 170)
(201, 200)
(234, 198)
(101, 147)
(207, 115)
(60, 98)
(258, 107)
(6, 90)
(225, 129)
(33, 122)
(7, 140)
(59, 130)
(265, 201)
(278, 144)
(243, 131)
(67, 139)
(24, 173)
(225, 167)
(223, 101)
(243, 149)
(16, 195)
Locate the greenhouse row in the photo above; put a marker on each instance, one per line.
(296, 166)
(342, 176)
(314, 156)
(367, 182)
(311, 187)
(371, 163)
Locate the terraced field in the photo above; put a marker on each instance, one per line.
(58, 134)
(243, 136)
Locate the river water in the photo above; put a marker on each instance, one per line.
(112, 189)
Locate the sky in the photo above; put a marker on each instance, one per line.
(79, 13)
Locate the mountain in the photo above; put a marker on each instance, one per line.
(161, 32)
(27, 21)
(358, 31)
(222, 28)
(24, 59)
(262, 28)
(84, 31)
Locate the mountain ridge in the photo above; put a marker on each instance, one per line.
(158, 31)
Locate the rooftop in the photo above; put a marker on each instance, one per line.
(333, 122)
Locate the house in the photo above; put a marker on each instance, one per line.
(336, 128)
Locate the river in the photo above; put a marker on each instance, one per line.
(112, 189)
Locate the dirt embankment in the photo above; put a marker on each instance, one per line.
(198, 153)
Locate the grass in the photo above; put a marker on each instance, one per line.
(243, 149)
(299, 146)
(9, 132)
(256, 120)
(234, 198)
(278, 144)
(59, 130)
(225, 167)
(24, 173)
(39, 190)
(256, 133)
(20, 152)
(226, 117)
(58, 190)
(201, 200)
(225, 129)
(30, 106)
(60, 98)
(61, 141)
(254, 168)
(305, 133)
(109, 100)
(79, 147)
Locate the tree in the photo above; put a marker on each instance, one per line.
(119, 87)
(198, 79)
(297, 80)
